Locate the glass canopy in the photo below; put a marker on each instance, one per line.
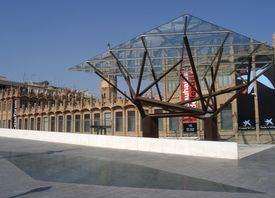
(201, 58)
(165, 47)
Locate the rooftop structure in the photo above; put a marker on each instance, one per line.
(165, 43)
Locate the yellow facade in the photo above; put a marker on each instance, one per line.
(48, 108)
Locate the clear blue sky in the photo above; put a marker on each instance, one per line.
(40, 40)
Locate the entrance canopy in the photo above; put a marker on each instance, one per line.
(200, 57)
(189, 50)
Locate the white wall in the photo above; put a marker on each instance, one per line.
(227, 150)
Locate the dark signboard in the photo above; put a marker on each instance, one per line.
(245, 104)
(14, 113)
(190, 127)
(266, 98)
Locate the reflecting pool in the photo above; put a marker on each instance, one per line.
(59, 167)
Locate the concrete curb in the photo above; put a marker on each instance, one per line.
(226, 150)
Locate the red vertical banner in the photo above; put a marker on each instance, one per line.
(188, 93)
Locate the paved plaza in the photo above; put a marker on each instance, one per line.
(42, 169)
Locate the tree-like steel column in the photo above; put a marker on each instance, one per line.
(208, 111)
(186, 44)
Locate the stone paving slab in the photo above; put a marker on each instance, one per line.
(42, 169)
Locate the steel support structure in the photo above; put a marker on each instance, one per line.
(208, 110)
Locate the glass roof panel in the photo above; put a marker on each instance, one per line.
(165, 46)
(174, 26)
(196, 25)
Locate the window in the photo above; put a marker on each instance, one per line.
(45, 124)
(96, 121)
(131, 120)
(37, 124)
(32, 123)
(52, 123)
(60, 123)
(68, 123)
(160, 120)
(107, 121)
(226, 118)
(26, 123)
(4, 106)
(77, 123)
(86, 122)
(173, 124)
(9, 106)
(224, 81)
(172, 86)
(119, 121)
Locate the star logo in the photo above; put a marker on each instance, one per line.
(262, 79)
(246, 123)
(268, 122)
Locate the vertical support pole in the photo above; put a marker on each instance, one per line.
(256, 106)
(211, 128)
(235, 120)
(149, 127)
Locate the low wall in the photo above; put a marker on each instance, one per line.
(227, 150)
